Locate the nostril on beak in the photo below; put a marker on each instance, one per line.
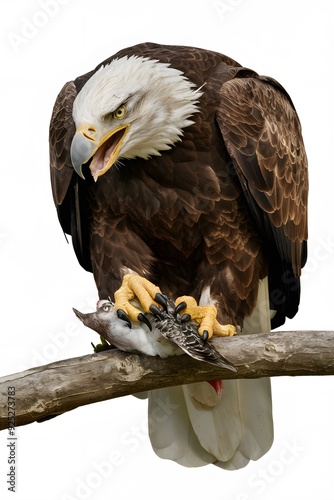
(91, 132)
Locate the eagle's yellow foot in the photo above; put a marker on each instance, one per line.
(135, 287)
(206, 317)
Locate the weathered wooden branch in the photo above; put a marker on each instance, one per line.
(53, 389)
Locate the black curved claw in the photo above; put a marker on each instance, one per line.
(122, 315)
(161, 299)
(205, 335)
(156, 311)
(185, 318)
(180, 307)
(142, 318)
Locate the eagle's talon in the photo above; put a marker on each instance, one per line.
(205, 316)
(182, 305)
(156, 311)
(142, 318)
(205, 335)
(136, 288)
(123, 316)
(185, 318)
(162, 300)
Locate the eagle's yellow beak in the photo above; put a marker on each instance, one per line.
(86, 144)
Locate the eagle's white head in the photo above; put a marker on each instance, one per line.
(132, 107)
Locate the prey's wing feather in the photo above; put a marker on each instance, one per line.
(186, 337)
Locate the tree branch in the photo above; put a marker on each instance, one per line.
(53, 389)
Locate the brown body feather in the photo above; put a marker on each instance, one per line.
(225, 207)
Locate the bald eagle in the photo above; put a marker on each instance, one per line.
(177, 171)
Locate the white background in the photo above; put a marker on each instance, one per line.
(102, 451)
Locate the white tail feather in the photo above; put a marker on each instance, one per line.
(193, 426)
(170, 429)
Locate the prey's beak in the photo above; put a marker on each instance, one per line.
(91, 320)
(85, 318)
(86, 144)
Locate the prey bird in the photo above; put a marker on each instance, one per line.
(169, 333)
(178, 171)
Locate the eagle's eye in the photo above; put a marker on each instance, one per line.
(120, 112)
(106, 307)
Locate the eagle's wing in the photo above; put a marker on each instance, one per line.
(68, 197)
(62, 129)
(262, 133)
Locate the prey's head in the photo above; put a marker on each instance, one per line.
(100, 320)
(133, 107)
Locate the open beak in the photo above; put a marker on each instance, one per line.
(104, 152)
